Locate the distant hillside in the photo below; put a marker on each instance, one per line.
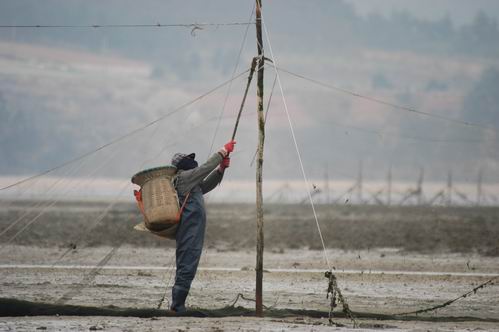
(64, 92)
(58, 103)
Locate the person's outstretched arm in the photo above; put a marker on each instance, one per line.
(189, 179)
(215, 177)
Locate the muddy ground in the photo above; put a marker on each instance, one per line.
(387, 261)
(421, 229)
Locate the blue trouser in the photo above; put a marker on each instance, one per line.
(189, 246)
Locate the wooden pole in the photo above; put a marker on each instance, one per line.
(479, 188)
(250, 76)
(420, 187)
(359, 185)
(449, 188)
(389, 190)
(259, 164)
(328, 193)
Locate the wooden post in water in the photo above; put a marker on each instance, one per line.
(326, 185)
(420, 187)
(359, 185)
(479, 188)
(389, 190)
(259, 164)
(449, 189)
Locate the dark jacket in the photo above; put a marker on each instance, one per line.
(206, 177)
(191, 229)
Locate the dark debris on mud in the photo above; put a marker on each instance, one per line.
(15, 308)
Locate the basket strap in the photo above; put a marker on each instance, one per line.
(179, 215)
(140, 203)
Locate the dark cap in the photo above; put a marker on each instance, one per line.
(177, 157)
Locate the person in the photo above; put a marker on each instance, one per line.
(191, 182)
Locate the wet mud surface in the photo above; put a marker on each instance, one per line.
(387, 261)
(381, 283)
(409, 228)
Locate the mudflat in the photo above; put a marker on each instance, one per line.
(119, 285)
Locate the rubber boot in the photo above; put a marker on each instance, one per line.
(179, 295)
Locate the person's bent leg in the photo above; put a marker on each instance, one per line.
(187, 264)
(189, 243)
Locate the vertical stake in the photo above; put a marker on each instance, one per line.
(389, 190)
(359, 185)
(420, 187)
(449, 189)
(326, 185)
(259, 163)
(479, 188)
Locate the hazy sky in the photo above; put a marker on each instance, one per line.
(462, 11)
(64, 92)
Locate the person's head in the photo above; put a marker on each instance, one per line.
(184, 161)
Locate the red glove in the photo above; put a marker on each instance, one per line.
(224, 164)
(229, 147)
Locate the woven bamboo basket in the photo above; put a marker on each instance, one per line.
(161, 205)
